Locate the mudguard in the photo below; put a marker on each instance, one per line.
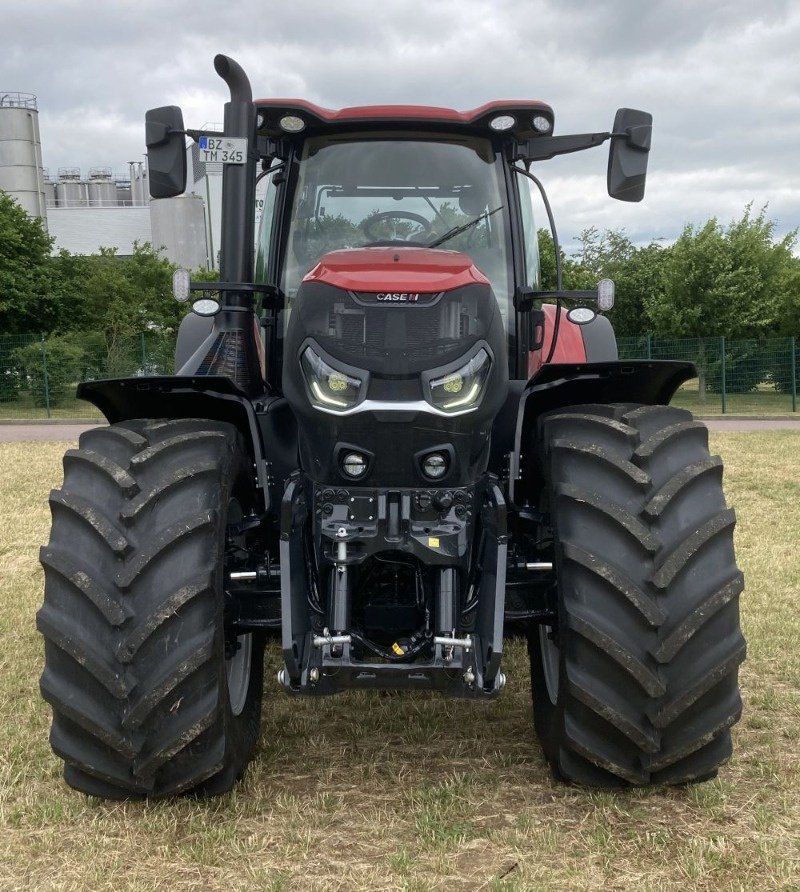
(648, 382)
(213, 397)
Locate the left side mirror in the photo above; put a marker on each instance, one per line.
(628, 155)
(166, 151)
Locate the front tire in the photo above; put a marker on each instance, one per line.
(148, 696)
(636, 683)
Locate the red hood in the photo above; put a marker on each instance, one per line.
(425, 270)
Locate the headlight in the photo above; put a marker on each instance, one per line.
(329, 388)
(462, 389)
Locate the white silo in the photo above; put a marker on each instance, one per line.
(49, 189)
(71, 191)
(102, 188)
(21, 152)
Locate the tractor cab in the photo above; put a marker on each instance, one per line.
(400, 177)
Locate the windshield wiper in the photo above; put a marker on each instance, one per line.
(457, 230)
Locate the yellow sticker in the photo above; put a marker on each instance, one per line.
(397, 649)
(433, 543)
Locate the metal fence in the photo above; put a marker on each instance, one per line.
(744, 377)
(38, 374)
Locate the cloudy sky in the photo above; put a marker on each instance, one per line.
(721, 78)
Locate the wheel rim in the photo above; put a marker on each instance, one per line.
(551, 658)
(237, 666)
(238, 672)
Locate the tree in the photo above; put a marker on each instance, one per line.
(724, 281)
(574, 275)
(637, 273)
(118, 298)
(26, 298)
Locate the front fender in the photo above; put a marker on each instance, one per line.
(212, 397)
(643, 381)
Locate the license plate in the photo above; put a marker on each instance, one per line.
(223, 149)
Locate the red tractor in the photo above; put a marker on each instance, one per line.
(385, 443)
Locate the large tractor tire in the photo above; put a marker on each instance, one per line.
(150, 696)
(636, 683)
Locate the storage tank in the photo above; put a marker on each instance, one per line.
(179, 228)
(124, 194)
(71, 191)
(140, 193)
(21, 152)
(102, 188)
(49, 189)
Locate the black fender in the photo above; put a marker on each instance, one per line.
(212, 397)
(644, 381)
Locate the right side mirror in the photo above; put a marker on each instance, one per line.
(166, 151)
(628, 155)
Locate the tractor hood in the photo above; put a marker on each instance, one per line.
(396, 311)
(396, 271)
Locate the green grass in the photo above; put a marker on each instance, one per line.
(24, 408)
(765, 400)
(367, 791)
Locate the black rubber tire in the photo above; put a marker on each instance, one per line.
(135, 666)
(648, 641)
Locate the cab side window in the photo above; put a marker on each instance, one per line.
(529, 234)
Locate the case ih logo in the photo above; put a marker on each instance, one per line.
(395, 298)
(402, 297)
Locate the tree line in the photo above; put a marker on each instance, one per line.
(734, 281)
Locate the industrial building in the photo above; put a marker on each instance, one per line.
(84, 213)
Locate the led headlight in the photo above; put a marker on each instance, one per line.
(462, 389)
(329, 388)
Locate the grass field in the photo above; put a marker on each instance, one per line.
(416, 792)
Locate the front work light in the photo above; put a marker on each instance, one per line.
(354, 464)
(434, 465)
(461, 390)
(206, 306)
(328, 388)
(292, 124)
(502, 122)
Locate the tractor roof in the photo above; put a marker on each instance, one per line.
(414, 117)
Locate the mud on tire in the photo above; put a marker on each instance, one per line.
(637, 683)
(135, 653)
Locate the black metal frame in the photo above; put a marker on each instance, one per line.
(317, 666)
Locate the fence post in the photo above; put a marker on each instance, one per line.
(46, 381)
(144, 355)
(649, 346)
(793, 367)
(722, 373)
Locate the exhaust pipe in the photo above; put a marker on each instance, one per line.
(233, 347)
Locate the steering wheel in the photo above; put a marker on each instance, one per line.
(368, 226)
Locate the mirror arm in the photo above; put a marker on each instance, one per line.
(541, 148)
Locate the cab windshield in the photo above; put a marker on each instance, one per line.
(409, 190)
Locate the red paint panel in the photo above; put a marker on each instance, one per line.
(396, 269)
(385, 113)
(569, 346)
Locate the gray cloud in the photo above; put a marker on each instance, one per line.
(721, 78)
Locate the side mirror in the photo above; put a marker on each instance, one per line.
(627, 157)
(166, 151)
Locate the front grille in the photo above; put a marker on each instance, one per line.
(395, 338)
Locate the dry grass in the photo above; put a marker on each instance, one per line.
(417, 792)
